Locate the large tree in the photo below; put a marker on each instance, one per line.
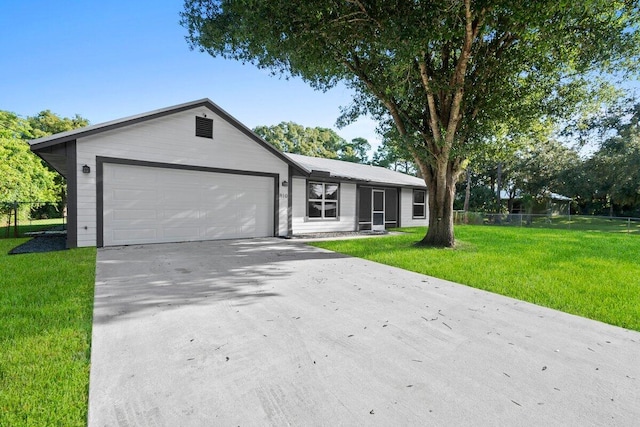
(315, 142)
(614, 169)
(444, 73)
(294, 138)
(356, 151)
(392, 155)
(23, 176)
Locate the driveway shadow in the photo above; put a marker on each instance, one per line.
(131, 280)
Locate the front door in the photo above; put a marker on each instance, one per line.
(377, 207)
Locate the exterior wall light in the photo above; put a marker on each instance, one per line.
(285, 183)
(86, 169)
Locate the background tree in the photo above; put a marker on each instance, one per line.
(443, 73)
(293, 138)
(614, 169)
(392, 155)
(531, 165)
(47, 123)
(356, 151)
(24, 177)
(541, 168)
(482, 193)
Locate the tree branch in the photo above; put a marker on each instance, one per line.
(434, 119)
(472, 28)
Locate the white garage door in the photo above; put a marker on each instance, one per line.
(159, 205)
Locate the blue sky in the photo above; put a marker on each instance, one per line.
(110, 59)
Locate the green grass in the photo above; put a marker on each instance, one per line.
(46, 303)
(589, 223)
(575, 222)
(29, 226)
(591, 274)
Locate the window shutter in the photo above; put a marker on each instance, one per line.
(204, 127)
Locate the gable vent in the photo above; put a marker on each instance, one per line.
(204, 127)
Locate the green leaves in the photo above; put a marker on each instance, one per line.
(294, 138)
(446, 73)
(315, 142)
(616, 165)
(23, 176)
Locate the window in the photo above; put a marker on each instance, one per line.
(419, 204)
(204, 127)
(322, 200)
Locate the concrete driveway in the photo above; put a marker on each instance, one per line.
(273, 332)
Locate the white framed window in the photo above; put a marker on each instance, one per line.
(419, 204)
(322, 200)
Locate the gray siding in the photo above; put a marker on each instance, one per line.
(406, 210)
(345, 222)
(171, 139)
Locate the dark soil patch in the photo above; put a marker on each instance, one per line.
(41, 244)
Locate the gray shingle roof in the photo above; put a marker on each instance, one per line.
(354, 171)
(327, 167)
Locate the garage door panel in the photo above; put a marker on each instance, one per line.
(138, 195)
(182, 233)
(129, 214)
(176, 196)
(118, 176)
(216, 233)
(154, 205)
(180, 215)
(138, 234)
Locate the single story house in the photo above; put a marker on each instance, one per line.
(193, 172)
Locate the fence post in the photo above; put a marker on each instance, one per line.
(628, 225)
(15, 221)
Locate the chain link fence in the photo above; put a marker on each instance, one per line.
(566, 222)
(19, 218)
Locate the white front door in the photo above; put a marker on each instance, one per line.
(377, 207)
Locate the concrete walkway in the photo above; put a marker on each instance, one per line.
(270, 332)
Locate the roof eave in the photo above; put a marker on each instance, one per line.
(48, 141)
(365, 181)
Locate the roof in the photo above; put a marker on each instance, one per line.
(504, 195)
(560, 197)
(316, 166)
(41, 145)
(307, 166)
(61, 137)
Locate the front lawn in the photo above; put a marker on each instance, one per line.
(28, 226)
(591, 274)
(46, 304)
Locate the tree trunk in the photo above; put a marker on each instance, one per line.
(15, 222)
(499, 188)
(467, 197)
(611, 209)
(8, 229)
(467, 193)
(441, 194)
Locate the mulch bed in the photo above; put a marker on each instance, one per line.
(41, 244)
